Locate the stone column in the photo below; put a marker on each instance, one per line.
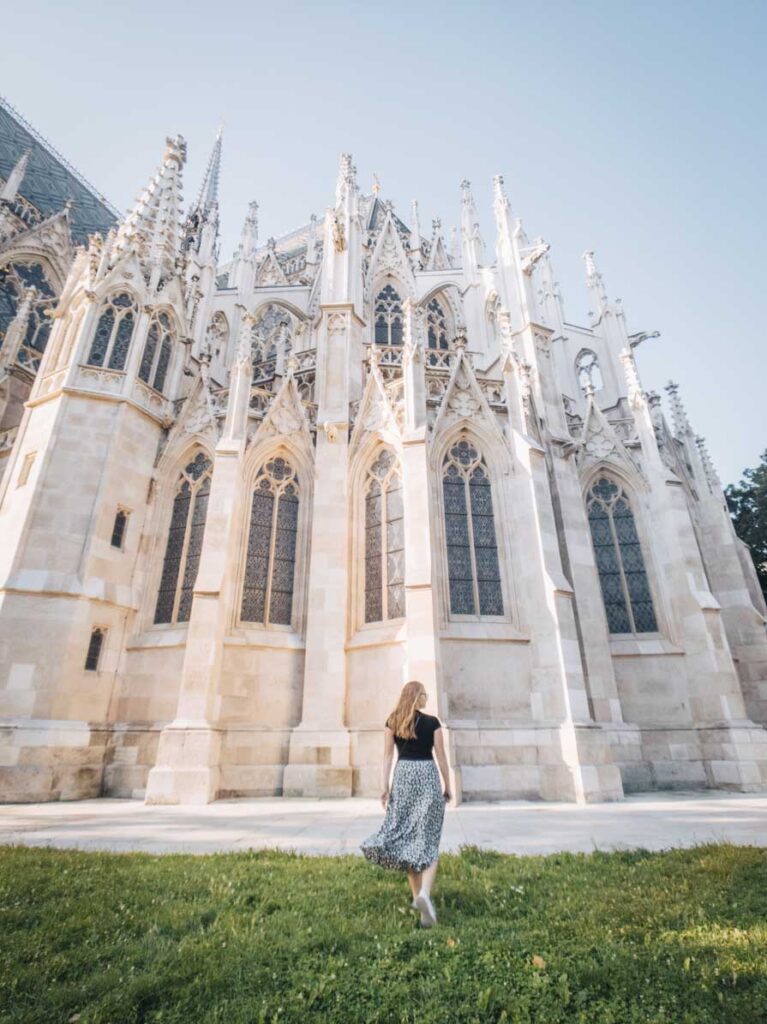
(580, 767)
(189, 752)
(423, 653)
(319, 758)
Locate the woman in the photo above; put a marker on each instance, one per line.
(408, 839)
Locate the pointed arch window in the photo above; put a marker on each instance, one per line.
(389, 319)
(114, 331)
(157, 352)
(436, 326)
(270, 338)
(270, 561)
(184, 544)
(472, 550)
(217, 335)
(384, 540)
(15, 280)
(587, 370)
(620, 563)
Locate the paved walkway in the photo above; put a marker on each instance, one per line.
(650, 820)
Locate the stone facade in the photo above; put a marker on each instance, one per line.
(242, 503)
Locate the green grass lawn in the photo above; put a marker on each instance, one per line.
(620, 938)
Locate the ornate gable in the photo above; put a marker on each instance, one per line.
(286, 416)
(50, 240)
(389, 256)
(600, 443)
(269, 271)
(375, 414)
(464, 400)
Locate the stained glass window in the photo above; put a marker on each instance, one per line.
(384, 540)
(389, 322)
(474, 576)
(184, 544)
(270, 560)
(15, 280)
(622, 574)
(155, 359)
(93, 655)
(113, 334)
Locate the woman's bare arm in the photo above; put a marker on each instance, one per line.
(441, 755)
(387, 762)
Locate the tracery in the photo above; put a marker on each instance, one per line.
(270, 558)
(619, 558)
(384, 540)
(472, 550)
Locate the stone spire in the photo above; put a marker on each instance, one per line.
(509, 273)
(595, 282)
(208, 194)
(347, 178)
(249, 234)
(472, 246)
(152, 230)
(679, 418)
(438, 256)
(708, 466)
(15, 178)
(201, 227)
(311, 242)
(415, 228)
(455, 246)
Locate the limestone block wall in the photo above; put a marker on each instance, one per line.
(261, 689)
(376, 670)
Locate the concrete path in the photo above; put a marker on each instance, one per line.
(650, 820)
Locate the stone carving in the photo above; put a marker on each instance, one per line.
(339, 234)
(463, 403)
(337, 323)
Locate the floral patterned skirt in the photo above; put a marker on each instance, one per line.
(409, 837)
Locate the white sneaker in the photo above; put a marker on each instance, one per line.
(428, 913)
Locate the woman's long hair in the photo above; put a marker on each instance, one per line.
(402, 719)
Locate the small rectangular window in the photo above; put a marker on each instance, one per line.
(94, 650)
(26, 468)
(118, 530)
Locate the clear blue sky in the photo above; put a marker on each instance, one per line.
(633, 128)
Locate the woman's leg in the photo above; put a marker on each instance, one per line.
(414, 878)
(427, 877)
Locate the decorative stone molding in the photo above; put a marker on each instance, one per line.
(95, 378)
(337, 323)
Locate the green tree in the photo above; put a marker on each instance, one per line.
(747, 502)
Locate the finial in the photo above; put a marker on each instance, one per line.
(291, 365)
(175, 149)
(466, 196)
(376, 186)
(678, 412)
(712, 477)
(415, 231)
(347, 177)
(499, 194)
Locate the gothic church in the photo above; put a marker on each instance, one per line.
(242, 502)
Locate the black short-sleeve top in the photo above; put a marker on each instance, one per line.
(419, 749)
